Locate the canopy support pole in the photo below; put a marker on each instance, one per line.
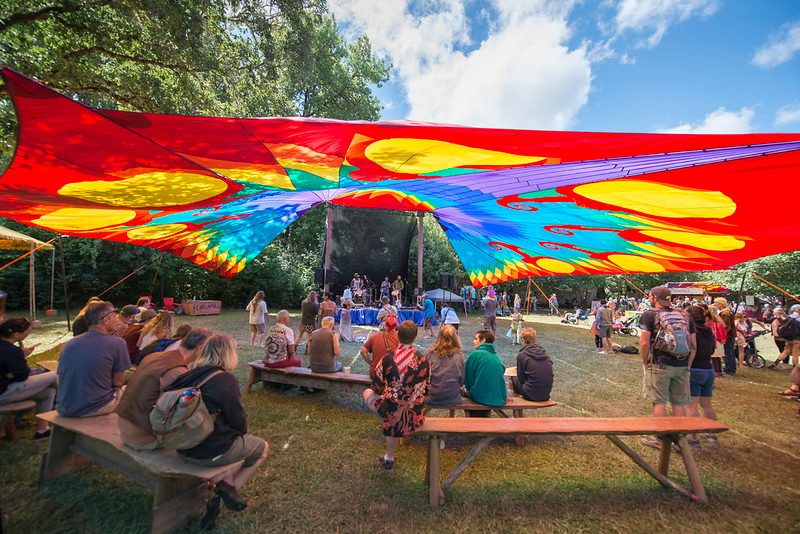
(32, 287)
(328, 246)
(64, 281)
(421, 216)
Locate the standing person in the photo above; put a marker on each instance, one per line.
(259, 316)
(327, 308)
(397, 291)
(490, 312)
(605, 325)
(792, 345)
(516, 325)
(666, 366)
(740, 322)
(484, 373)
(309, 308)
(534, 379)
(725, 314)
(430, 314)
(465, 296)
(447, 368)
(155, 372)
(553, 301)
(449, 316)
(279, 348)
(324, 343)
(229, 442)
(595, 331)
(384, 313)
(403, 377)
(16, 381)
(380, 344)
(718, 327)
(345, 323)
(779, 315)
(386, 288)
(91, 368)
(701, 371)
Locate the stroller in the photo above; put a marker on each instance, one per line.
(751, 356)
(626, 327)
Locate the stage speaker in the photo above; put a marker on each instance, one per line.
(448, 281)
(319, 276)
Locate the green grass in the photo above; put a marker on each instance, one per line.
(320, 477)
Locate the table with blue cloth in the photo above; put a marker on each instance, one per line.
(369, 316)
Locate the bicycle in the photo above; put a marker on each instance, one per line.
(751, 356)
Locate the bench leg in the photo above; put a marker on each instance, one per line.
(251, 377)
(59, 460)
(519, 440)
(176, 501)
(663, 455)
(433, 470)
(691, 470)
(468, 459)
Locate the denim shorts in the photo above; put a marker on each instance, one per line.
(701, 382)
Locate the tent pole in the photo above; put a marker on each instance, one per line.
(421, 216)
(528, 298)
(328, 246)
(64, 281)
(52, 278)
(31, 288)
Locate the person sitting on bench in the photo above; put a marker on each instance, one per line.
(324, 343)
(404, 377)
(279, 344)
(154, 372)
(534, 378)
(229, 442)
(484, 372)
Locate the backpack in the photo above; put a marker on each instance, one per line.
(672, 333)
(180, 419)
(789, 329)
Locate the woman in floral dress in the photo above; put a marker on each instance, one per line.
(405, 375)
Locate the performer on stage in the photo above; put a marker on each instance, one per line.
(397, 291)
(386, 287)
(357, 287)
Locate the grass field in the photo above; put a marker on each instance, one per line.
(320, 475)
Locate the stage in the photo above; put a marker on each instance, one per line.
(369, 316)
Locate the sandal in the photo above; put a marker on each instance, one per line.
(792, 392)
(230, 496)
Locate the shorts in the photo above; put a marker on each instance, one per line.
(258, 328)
(245, 447)
(490, 323)
(667, 383)
(605, 331)
(306, 328)
(701, 382)
(428, 321)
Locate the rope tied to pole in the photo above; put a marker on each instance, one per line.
(776, 287)
(27, 254)
(134, 272)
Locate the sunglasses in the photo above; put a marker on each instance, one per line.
(109, 313)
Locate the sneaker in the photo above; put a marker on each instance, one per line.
(654, 443)
(388, 465)
(38, 436)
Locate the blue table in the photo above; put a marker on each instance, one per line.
(369, 316)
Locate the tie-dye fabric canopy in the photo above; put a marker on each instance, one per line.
(513, 203)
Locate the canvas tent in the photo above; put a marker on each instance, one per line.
(443, 294)
(11, 240)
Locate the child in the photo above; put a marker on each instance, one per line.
(405, 378)
(516, 325)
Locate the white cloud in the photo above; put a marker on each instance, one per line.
(720, 121)
(522, 75)
(780, 48)
(656, 16)
(787, 115)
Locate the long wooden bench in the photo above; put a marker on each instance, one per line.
(179, 488)
(304, 377)
(671, 429)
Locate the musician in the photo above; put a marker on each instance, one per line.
(357, 287)
(386, 287)
(397, 291)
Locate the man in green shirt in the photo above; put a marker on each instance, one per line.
(484, 372)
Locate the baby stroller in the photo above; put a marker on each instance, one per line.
(751, 356)
(626, 327)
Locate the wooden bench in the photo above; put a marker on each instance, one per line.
(671, 429)
(302, 376)
(179, 488)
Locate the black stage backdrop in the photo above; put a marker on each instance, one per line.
(374, 243)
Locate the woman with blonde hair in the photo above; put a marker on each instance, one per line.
(158, 328)
(229, 442)
(308, 317)
(447, 368)
(259, 317)
(779, 316)
(740, 322)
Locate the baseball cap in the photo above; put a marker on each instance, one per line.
(129, 310)
(391, 322)
(794, 308)
(663, 294)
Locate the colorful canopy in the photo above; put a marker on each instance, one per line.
(513, 203)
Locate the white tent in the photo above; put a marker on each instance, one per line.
(11, 240)
(443, 294)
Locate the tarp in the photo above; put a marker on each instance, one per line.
(513, 203)
(443, 294)
(11, 240)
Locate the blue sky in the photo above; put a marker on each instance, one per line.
(694, 66)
